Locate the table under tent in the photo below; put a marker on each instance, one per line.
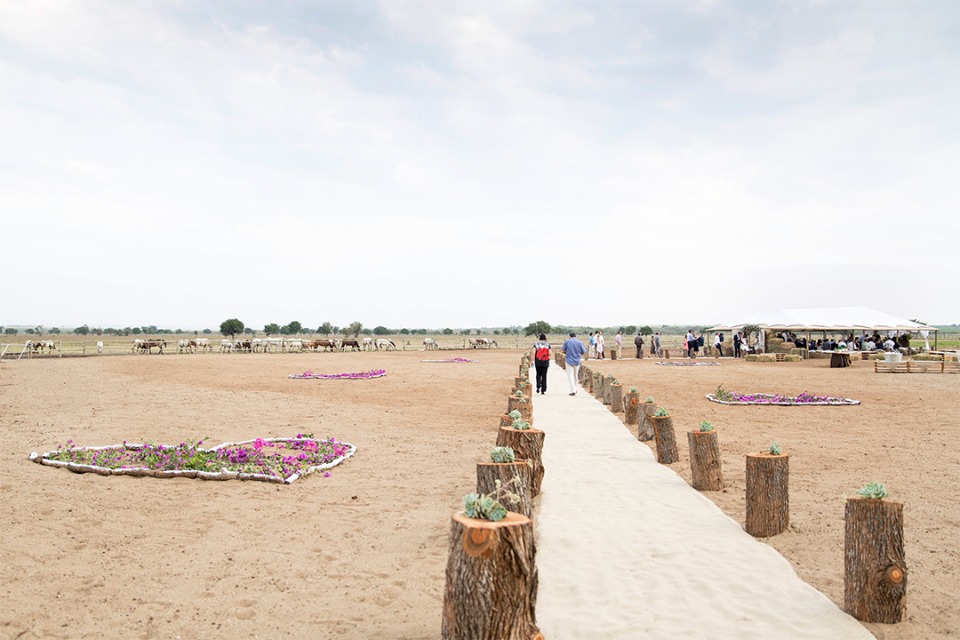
(831, 320)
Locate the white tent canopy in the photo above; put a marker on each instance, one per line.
(844, 319)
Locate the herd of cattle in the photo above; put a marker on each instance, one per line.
(264, 345)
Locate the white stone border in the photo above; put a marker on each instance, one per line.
(835, 402)
(189, 473)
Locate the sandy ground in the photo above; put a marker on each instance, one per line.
(362, 554)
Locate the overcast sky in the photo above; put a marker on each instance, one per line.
(449, 164)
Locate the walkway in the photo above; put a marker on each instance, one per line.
(627, 549)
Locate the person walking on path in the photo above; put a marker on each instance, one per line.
(638, 341)
(593, 347)
(541, 360)
(599, 338)
(619, 341)
(572, 350)
(718, 345)
(655, 344)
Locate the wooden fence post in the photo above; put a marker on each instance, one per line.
(875, 572)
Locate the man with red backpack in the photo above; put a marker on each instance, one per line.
(541, 360)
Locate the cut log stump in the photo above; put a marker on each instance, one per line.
(598, 385)
(875, 569)
(616, 398)
(488, 473)
(631, 409)
(666, 439)
(607, 390)
(768, 495)
(645, 429)
(491, 580)
(522, 405)
(527, 444)
(705, 461)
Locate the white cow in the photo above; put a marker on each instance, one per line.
(383, 344)
(367, 344)
(203, 344)
(226, 346)
(295, 346)
(429, 344)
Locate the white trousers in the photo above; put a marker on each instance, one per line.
(572, 376)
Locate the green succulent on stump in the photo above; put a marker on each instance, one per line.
(502, 454)
(775, 449)
(660, 412)
(487, 506)
(706, 425)
(872, 491)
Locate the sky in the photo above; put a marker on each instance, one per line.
(482, 164)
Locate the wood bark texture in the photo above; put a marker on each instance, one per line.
(597, 385)
(525, 408)
(645, 429)
(875, 569)
(666, 439)
(607, 384)
(631, 409)
(491, 580)
(768, 494)
(505, 420)
(705, 461)
(616, 398)
(489, 472)
(527, 445)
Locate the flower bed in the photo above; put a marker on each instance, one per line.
(280, 460)
(359, 375)
(687, 363)
(451, 360)
(804, 399)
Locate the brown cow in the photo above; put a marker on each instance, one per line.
(350, 342)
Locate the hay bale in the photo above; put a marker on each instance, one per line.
(767, 357)
(752, 357)
(927, 357)
(792, 358)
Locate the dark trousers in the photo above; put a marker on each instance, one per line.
(542, 366)
(736, 349)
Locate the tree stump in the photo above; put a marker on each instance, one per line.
(705, 460)
(607, 389)
(666, 440)
(645, 428)
(527, 444)
(489, 472)
(768, 496)
(597, 385)
(631, 409)
(875, 570)
(491, 580)
(523, 406)
(587, 381)
(666, 354)
(616, 398)
(505, 420)
(613, 353)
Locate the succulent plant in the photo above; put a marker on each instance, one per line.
(502, 454)
(520, 424)
(649, 399)
(706, 425)
(515, 415)
(633, 389)
(518, 393)
(487, 505)
(775, 449)
(660, 412)
(872, 491)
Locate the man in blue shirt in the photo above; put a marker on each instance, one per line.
(573, 349)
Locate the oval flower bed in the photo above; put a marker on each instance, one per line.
(686, 363)
(359, 375)
(451, 360)
(280, 460)
(804, 399)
